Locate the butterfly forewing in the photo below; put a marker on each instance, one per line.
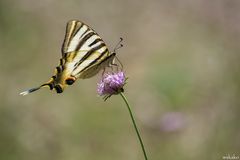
(84, 47)
(72, 29)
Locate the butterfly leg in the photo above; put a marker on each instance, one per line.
(121, 65)
(103, 71)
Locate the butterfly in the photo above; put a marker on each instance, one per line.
(84, 54)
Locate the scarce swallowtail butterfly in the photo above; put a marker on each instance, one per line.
(84, 54)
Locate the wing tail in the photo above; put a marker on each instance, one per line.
(24, 93)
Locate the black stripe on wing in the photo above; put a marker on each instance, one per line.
(88, 29)
(72, 29)
(88, 54)
(94, 67)
(84, 40)
(95, 42)
(74, 40)
(95, 62)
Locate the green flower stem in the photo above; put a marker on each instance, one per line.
(135, 126)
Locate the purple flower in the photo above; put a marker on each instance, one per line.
(111, 83)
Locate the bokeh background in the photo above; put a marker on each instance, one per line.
(182, 60)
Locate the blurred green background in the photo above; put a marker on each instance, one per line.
(182, 60)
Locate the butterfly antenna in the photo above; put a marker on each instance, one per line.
(118, 45)
(119, 62)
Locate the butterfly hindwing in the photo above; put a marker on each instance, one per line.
(94, 69)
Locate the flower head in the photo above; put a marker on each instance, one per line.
(111, 83)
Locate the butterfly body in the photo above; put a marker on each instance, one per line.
(84, 54)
